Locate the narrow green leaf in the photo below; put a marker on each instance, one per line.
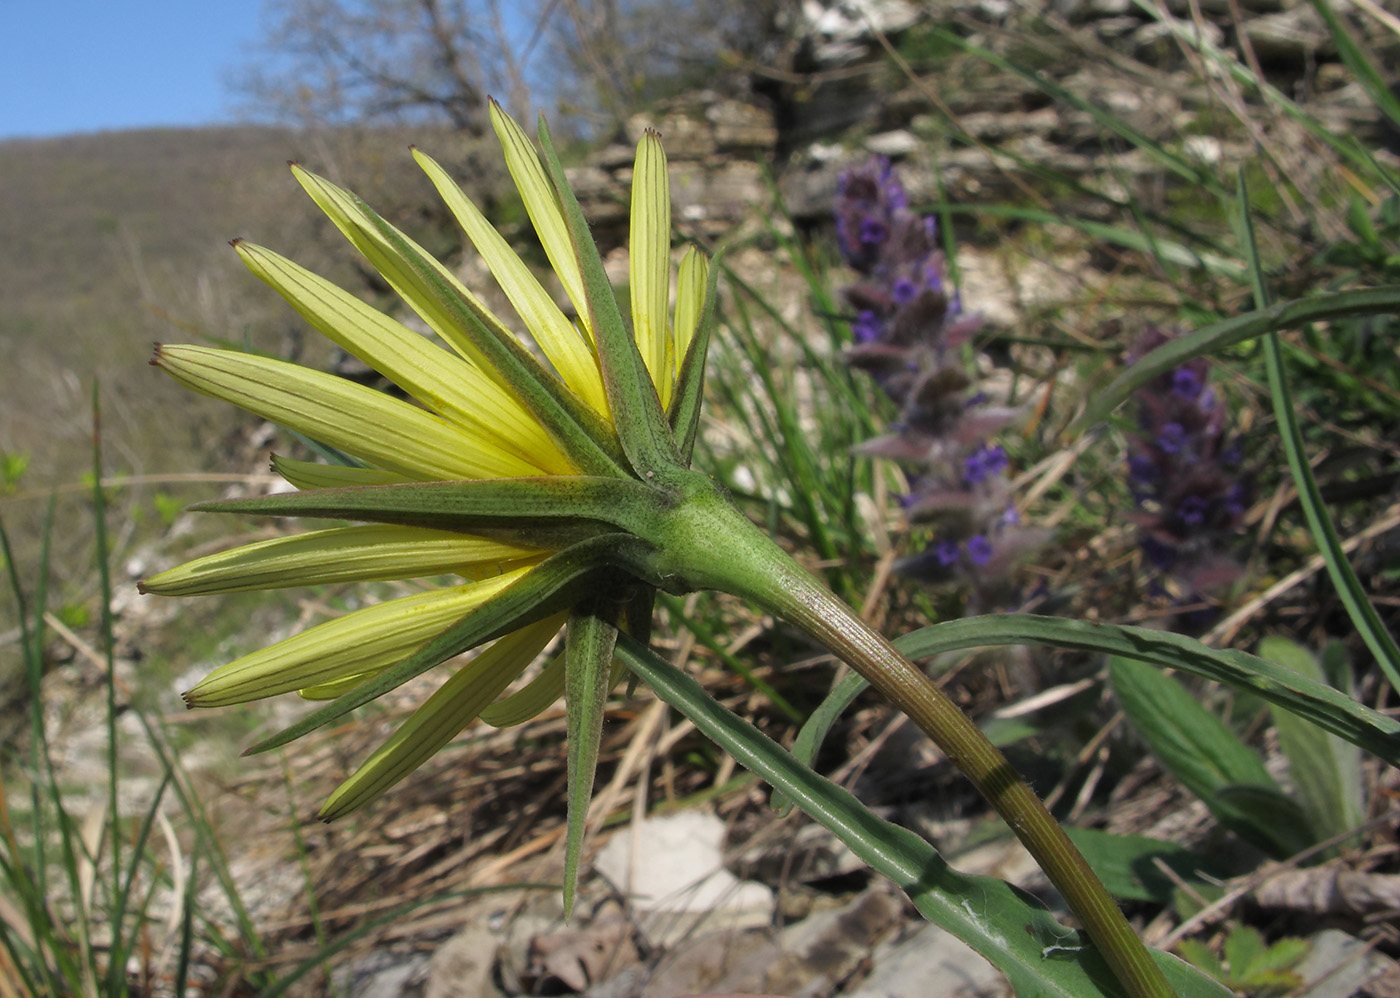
(466, 506)
(591, 636)
(1361, 67)
(1349, 588)
(1195, 746)
(551, 587)
(1038, 955)
(1309, 699)
(1218, 335)
(1325, 770)
(636, 408)
(1353, 594)
(812, 733)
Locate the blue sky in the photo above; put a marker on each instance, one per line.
(89, 65)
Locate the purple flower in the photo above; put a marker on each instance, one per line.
(1186, 383)
(979, 549)
(946, 552)
(1192, 511)
(1184, 473)
(1172, 438)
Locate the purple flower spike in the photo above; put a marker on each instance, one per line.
(910, 330)
(1192, 511)
(1184, 472)
(1186, 383)
(1171, 438)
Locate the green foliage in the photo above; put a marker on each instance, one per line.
(167, 507)
(1325, 770)
(1209, 760)
(12, 469)
(1250, 966)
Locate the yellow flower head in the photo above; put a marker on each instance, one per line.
(531, 466)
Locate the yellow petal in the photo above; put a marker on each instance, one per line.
(542, 205)
(649, 261)
(342, 554)
(359, 642)
(442, 716)
(536, 696)
(310, 475)
(444, 382)
(690, 300)
(556, 336)
(364, 423)
(337, 688)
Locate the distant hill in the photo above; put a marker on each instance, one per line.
(111, 241)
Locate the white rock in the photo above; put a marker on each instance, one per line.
(675, 877)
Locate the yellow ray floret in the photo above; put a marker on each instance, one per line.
(443, 715)
(446, 383)
(364, 423)
(368, 553)
(649, 263)
(360, 642)
(564, 345)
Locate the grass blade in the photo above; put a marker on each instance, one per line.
(1353, 594)
(1313, 701)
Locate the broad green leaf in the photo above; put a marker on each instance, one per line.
(1127, 864)
(1199, 750)
(1325, 770)
(591, 636)
(1309, 699)
(1038, 955)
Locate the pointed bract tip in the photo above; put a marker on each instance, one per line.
(235, 241)
(295, 164)
(155, 355)
(185, 696)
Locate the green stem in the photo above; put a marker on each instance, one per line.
(723, 550)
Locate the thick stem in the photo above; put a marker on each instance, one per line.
(740, 559)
